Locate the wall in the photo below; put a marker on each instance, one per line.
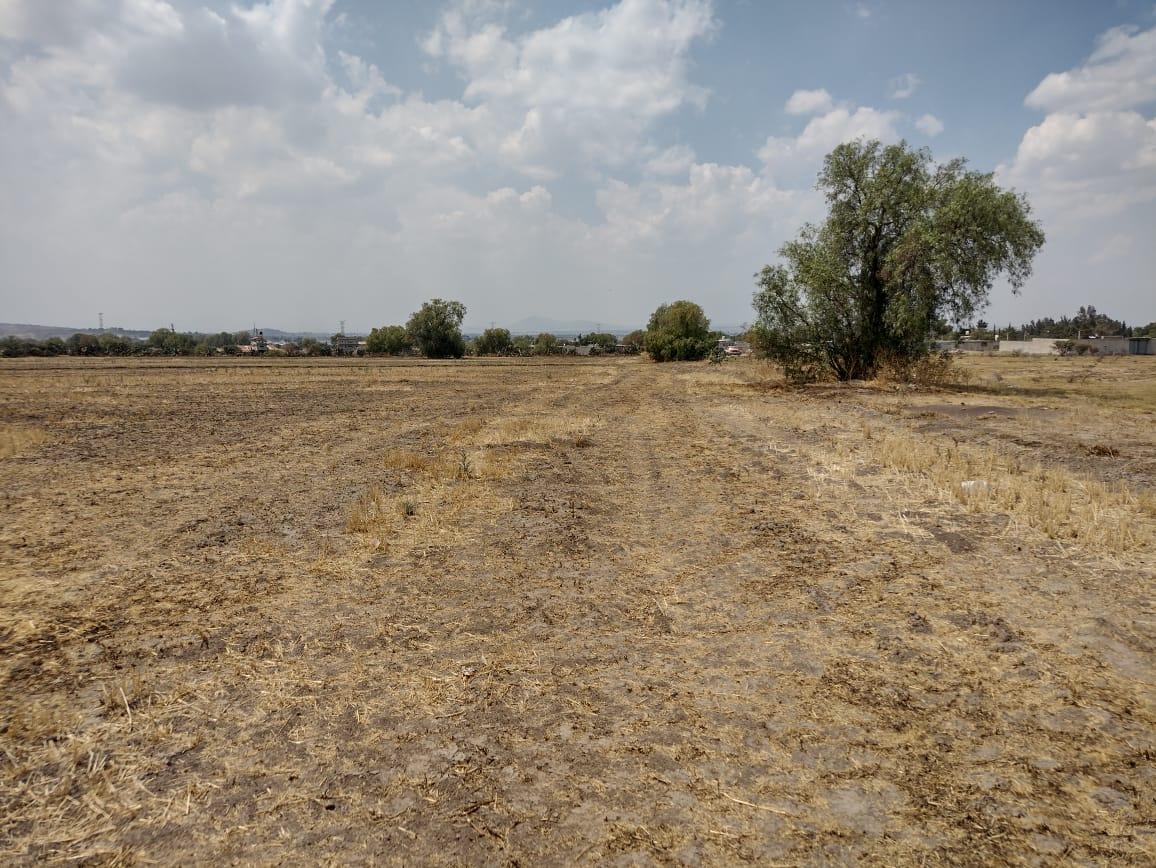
(1034, 347)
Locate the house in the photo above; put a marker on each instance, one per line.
(1142, 346)
(346, 345)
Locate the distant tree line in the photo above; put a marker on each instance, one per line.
(435, 330)
(162, 342)
(1087, 321)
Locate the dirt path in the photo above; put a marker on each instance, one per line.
(594, 612)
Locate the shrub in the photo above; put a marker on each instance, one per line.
(494, 342)
(934, 370)
(389, 340)
(679, 332)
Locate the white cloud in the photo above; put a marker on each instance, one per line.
(929, 125)
(226, 157)
(903, 86)
(809, 102)
(1120, 74)
(796, 158)
(1089, 169)
(713, 199)
(675, 160)
(1094, 154)
(592, 84)
(1084, 166)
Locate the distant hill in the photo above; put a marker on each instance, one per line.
(44, 332)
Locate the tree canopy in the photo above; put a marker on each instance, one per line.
(544, 344)
(906, 242)
(602, 340)
(679, 332)
(437, 329)
(493, 342)
(389, 340)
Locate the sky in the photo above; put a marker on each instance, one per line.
(297, 163)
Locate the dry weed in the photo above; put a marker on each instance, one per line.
(541, 429)
(368, 512)
(933, 371)
(15, 440)
(1055, 502)
(406, 459)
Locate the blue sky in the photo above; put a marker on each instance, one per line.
(298, 162)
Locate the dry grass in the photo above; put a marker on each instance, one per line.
(1114, 381)
(17, 440)
(566, 612)
(1051, 501)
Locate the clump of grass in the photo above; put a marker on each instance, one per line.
(367, 512)
(1103, 449)
(406, 459)
(406, 507)
(465, 468)
(15, 440)
(467, 428)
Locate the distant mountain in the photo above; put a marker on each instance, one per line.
(43, 332)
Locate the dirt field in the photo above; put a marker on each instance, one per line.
(576, 612)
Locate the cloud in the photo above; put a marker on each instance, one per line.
(590, 85)
(1085, 166)
(675, 160)
(903, 86)
(219, 161)
(1089, 170)
(929, 125)
(809, 102)
(793, 159)
(1094, 154)
(1119, 74)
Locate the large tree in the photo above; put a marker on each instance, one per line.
(679, 332)
(493, 342)
(906, 242)
(437, 329)
(389, 340)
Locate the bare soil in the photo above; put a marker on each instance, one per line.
(575, 611)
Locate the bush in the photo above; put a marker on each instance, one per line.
(389, 340)
(494, 342)
(544, 344)
(635, 341)
(933, 370)
(679, 332)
